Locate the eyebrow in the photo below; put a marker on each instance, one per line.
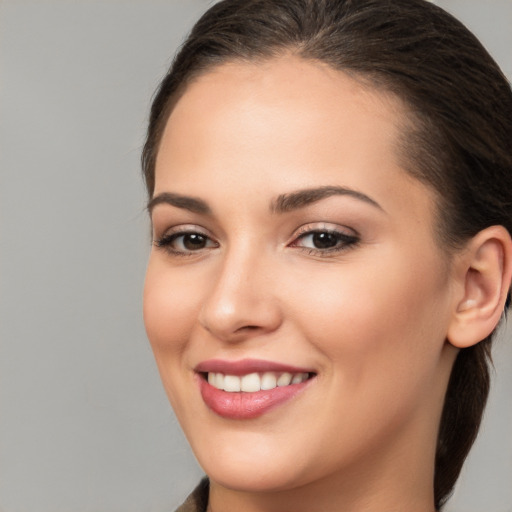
(301, 198)
(192, 204)
(282, 204)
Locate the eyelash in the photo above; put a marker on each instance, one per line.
(343, 241)
(167, 241)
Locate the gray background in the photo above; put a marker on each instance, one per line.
(84, 423)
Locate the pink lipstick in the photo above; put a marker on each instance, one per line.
(248, 388)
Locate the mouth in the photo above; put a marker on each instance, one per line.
(248, 389)
(253, 382)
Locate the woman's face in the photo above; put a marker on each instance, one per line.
(295, 259)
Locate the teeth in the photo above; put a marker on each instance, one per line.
(250, 383)
(231, 383)
(268, 381)
(219, 380)
(254, 381)
(297, 378)
(284, 379)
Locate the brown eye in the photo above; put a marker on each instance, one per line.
(324, 241)
(186, 242)
(194, 241)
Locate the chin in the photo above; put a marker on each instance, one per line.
(252, 466)
(257, 478)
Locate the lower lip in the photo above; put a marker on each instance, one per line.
(245, 406)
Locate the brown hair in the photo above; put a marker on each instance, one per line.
(459, 139)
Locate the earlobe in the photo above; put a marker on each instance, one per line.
(485, 272)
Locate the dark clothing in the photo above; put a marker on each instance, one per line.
(198, 500)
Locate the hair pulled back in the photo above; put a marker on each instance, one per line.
(458, 140)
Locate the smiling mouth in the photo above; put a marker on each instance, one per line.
(249, 388)
(245, 392)
(254, 382)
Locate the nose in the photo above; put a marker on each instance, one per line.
(242, 302)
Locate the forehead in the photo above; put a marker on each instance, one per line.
(283, 123)
(280, 103)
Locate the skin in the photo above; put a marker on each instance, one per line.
(371, 318)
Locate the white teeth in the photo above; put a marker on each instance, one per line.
(250, 383)
(231, 383)
(218, 381)
(268, 381)
(297, 378)
(284, 379)
(253, 382)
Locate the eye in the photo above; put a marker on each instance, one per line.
(323, 241)
(185, 242)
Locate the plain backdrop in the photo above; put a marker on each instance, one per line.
(84, 423)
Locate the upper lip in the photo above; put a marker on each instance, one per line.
(246, 366)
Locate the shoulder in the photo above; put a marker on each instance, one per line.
(198, 500)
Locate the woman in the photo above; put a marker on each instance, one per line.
(330, 190)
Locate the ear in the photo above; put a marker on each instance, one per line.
(484, 272)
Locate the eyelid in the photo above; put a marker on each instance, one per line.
(181, 228)
(169, 235)
(347, 238)
(325, 226)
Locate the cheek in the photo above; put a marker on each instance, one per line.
(381, 335)
(170, 306)
(170, 310)
(380, 320)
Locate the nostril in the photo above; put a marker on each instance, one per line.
(247, 328)
(237, 317)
